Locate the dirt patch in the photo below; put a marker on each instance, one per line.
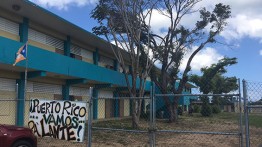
(225, 123)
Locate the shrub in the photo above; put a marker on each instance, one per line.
(180, 110)
(196, 108)
(206, 110)
(216, 109)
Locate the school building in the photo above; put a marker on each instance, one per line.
(63, 62)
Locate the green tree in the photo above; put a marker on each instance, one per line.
(212, 82)
(178, 39)
(223, 84)
(124, 22)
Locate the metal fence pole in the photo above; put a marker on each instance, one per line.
(16, 103)
(246, 112)
(90, 116)
(152, 117)
(240, 113)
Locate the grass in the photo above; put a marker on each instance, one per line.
(120, 124)
(222, 122)
(255, 120)
(185, 121)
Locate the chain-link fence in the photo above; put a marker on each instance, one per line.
(166, 119)
(118, 119)
(156, 119)
(193, 127)
(253, 108)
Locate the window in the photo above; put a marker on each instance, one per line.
(7, 84)
(106, 62)
(9, 26)
(75, 52)
(47, 88)
(45, 39)
(78, 91)
(81, 54)
(121, 69)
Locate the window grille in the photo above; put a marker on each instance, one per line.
(7, 84)
(79, 91)
(76, 50)
(87, 54)
(121, 69)
(105, 94)
(45, 39)
(47, 88)
(9, 26)
(106, 61)
(29, 86)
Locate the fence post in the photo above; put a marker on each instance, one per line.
(240, 113)
(152, 116)
(90, 117)
(246, 113)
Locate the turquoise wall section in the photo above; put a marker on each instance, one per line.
(20, 102)
(65, 92)
(44, 60)
(67, 45)
(23, 30)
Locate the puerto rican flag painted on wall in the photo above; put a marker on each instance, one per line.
(21, 54)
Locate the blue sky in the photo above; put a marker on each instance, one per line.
(244, 32)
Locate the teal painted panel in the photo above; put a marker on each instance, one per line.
(20, 103)
(44, 60)
(8, 49)
(183, 100)
(24, 30)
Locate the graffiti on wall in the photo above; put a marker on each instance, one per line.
(63, 120)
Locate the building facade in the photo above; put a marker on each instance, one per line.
(63, 62)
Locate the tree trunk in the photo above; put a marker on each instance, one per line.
(135, 118)
(135, 121)
(172, 117)
(175, 110)
(139, 107)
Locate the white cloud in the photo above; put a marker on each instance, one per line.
(260, 52)
(204, 58)
(63, 4)
(243, 26)
(159, 23)
(246, 20)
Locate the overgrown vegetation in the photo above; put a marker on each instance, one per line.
(196, 108)
(127, 24)
(215, 109)
(212, 81)
(196, 121)
(206, 109)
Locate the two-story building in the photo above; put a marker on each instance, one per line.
(63, 62)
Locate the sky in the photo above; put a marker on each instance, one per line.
(243, 34)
